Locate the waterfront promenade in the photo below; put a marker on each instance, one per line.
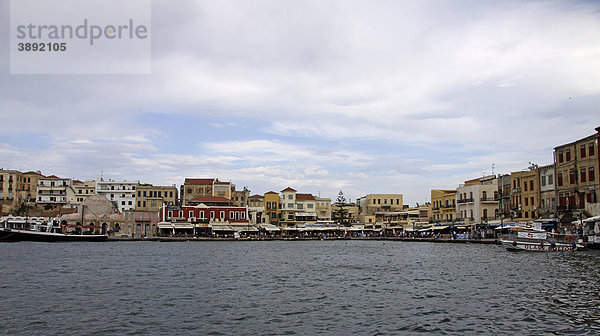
(383, 239)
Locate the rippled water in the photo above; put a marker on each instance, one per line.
(295, 287)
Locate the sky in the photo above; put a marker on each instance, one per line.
(322, 96)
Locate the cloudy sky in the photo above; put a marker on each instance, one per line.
(323, 96)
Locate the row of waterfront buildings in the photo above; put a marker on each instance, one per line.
(565, 189)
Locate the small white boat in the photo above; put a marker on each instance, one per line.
(534, 239)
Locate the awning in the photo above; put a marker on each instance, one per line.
(222, 228)
(269, 227)
(441, 227)
(244, 228)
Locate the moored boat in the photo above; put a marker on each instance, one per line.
(530, 237)
(591, 231)
(13, 229)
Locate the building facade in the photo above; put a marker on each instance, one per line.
(272, 207)
(547, 204)
(52, 190)
(576, 168)
(121, 193)
(17, 187)
(323, 208)
(525, 194)
(476, 200)
(443, 205)
(79, 191)
(152, 198)
(240, 197)
(372, 205)
(306, 208)
(288, 206)
(194, 187)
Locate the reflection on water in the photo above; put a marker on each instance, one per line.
(295, 287)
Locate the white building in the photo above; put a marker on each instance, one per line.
(547, 190)
(53, 190)
(476, 200)
(288, 205)
(121, 193)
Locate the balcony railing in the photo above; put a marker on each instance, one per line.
(489, 199)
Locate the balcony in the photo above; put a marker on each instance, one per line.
(489, 200)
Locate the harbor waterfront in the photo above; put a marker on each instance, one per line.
(305, 287)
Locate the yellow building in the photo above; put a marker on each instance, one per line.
(193, 187)
(272, 206)
(443, 205)
(378, 204)
(350, 211)
(525, 196)
(577, 181)
(79, 191)
(17, 187)
(323, 208)
(151, 198)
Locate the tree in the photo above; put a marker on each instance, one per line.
(340, 214)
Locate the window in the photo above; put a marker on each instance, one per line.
(532, 199)
(568, 154)
(300, 206)
(591, 149)
(170, 213)
(222, 214)
(591, 174)
(582, 176)
(582, 151)
(526, 202)
(159, 194)
(243, 215)
(572, 176)
(202, 214)
(397, 201)
(378, 201)
(374, 201)
(170, 194)
(309, 206)
(290, 205)
(550, 179)
(139, 204)
(212, 215)
(144, 204)
(531, 185)
(144, 193)
(268, 205)
(525, 186)
(560, 156)
(191, 214)
(543, 180)
(290, 197)
(122, 202)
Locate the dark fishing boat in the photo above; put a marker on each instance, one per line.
(13, 229)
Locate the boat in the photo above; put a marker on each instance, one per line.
(13, 229)
(529, 236)
(591, 231)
